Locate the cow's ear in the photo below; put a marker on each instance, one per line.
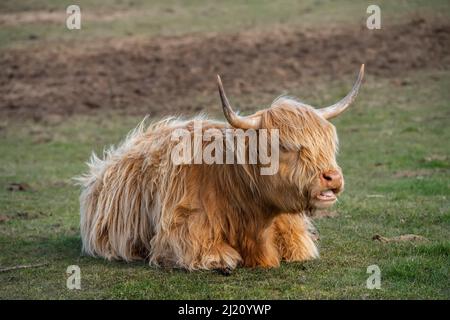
(339, 107)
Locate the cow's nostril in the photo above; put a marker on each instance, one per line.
(331, 179)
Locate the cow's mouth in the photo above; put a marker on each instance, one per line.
(327, 196)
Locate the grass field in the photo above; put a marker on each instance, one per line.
(119, 18)
(394, 150)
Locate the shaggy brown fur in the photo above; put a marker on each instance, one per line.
(136, 204)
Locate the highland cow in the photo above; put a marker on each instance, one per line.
(136, 203)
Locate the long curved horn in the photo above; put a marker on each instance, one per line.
(235, 120)
(339, 107)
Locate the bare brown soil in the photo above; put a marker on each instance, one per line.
(166, 75)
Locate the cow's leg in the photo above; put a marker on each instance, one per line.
(175, 250)
(259, 250)
(293, 237)
(191, 241)
(221, 257)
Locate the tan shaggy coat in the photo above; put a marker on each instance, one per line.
(135, 204)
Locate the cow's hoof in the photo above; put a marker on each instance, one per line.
(224, 271)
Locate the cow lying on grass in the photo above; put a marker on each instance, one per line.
(138, 203)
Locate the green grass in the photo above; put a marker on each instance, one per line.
(376, 145)
(174, 17)
(394, 150)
